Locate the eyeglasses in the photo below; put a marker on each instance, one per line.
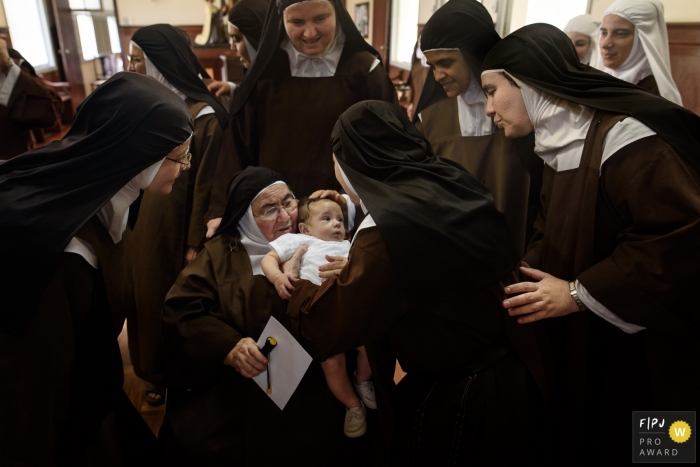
(184, 160)
(270, 214)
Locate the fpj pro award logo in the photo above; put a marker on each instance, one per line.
(663, 437)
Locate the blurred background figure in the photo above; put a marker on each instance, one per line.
(583, 32)
(24, 104)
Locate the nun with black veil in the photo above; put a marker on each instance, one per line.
(212, 318)
(615, 250)
(172, 228)
(66, 277)
(451, 115)
(427, 265)
(311, 65)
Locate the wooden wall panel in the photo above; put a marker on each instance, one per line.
(684, 45)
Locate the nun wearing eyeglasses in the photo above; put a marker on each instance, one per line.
(65, 279)
(172, 229)
(212, 318)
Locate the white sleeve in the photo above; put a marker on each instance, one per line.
(232, 89)
(9, 85)
(599, 309)
(286, 245)
(352, 210)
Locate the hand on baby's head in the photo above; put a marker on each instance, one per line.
(321, 218)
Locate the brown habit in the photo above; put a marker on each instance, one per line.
(286, 123)
(62, 380)
(214, 415)
(167, 225)
(365, 305)
(630, 237)
(30, 106)
(510, 170)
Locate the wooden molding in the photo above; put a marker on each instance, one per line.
(684, 49)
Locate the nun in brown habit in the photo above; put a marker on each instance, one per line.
(65, 279)
(172, 228)
(212, 317)
(424, 285)
(306, 73)
(616, 245)
(451, 114)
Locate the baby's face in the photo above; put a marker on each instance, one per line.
(326, 221)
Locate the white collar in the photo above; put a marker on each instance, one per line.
(252, 239)
(115, 213)
(471, 107)
(560, 125)
(321, 66)
(368, 221)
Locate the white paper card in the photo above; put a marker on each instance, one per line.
(288, 363)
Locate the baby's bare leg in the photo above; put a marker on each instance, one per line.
(364, 372)
(338, 381)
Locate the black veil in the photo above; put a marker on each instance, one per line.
(164, 46)
(46, 195)
(459, 24)
(544, 57)
(272, 36)
(440, 224)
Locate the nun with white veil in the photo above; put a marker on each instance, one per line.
(634, 47)
(583, 32)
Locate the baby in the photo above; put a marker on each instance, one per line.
(321, 229)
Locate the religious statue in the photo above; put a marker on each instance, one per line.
(214, 32)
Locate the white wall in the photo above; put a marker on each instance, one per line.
(175, 12)
(3, 20)
(675, 11)
(426, 8)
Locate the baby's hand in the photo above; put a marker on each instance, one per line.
(283, 284)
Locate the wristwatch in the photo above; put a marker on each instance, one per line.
(574, 295)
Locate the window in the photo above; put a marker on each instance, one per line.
(555, 12)
(86, 32)
(29, 30)
(85, 4)
(404, 32)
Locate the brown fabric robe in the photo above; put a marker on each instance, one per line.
(30, 106)
(630, 237)
(511, 170)
(167, 225)
(287, 122)
(366, 305)
(214, 415)
(649, 83)
(62, 380)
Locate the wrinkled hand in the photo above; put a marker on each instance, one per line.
(333, 267)
(246, 358)
(333, 195)
(212, 227)
(547, 298)
(283, 285)
(292, 266)
(219, 88)
(190, 255)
